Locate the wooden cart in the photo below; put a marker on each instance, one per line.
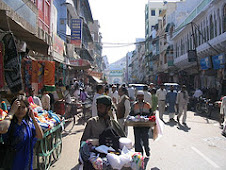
(49, 148)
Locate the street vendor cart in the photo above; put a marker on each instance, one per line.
(49, 148)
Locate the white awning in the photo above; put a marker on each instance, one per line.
(97, 80)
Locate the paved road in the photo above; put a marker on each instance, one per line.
(199, 147)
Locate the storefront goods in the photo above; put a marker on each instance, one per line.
(1, 65)
(12, 65)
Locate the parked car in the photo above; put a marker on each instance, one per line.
(175, 85)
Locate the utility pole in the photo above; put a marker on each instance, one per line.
(195, 53)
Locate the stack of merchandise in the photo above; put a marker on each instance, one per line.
(103, 157)
(46, 119)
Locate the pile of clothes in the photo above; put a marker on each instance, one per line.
(46, 119)
(139, 118)
(104, 157)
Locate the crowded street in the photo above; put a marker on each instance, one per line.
(112, 84)
(200, 146)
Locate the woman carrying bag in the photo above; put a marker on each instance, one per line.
(20, 136)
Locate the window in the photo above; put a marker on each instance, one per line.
(224, 18)
(152, 12)
(160, 11)
(211, 27)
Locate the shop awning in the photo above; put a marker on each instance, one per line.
(33, 42)
(79, 64)
(96, 79)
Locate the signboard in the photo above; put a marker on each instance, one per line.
(205, 63)
(192, 55)
(76, 32)
(218, 61)
(79, 62)
(58, 44)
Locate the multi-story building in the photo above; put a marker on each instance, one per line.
(204, 31)
(152, 11)
(97, 45)
(29, 23)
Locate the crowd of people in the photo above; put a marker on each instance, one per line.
(111, 106)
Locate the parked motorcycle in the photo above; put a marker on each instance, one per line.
(204, 105)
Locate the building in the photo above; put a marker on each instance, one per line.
(117, 72)
(203, 31)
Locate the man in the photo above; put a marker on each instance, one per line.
(223, 114)
(171, 100)
(197, 93)
(131, 92)
(115, 96)
(147, 95)
(99, 92)
(45, 100)
(35, 98)
(161, 94)
(96, 125)
(182, 102)
(152, 86)
(123, 108)
(141, 108)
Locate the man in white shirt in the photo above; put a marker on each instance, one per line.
(132, 91)
(223, 113)
(99, 92)
(161, 94)
(147, 95)
(123, 108)
(182, 102)
(45, 100)
(115, 96)
(197, 93)
(35, 98)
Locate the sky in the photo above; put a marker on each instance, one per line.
(121, 21)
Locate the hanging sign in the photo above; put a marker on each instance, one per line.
(76, 32)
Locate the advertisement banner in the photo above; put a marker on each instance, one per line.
(58, 44)
(218, 61)
(76, 32)
(205, 63)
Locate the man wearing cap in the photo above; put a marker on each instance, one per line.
(96, 125)
(141, 108)
(161, 94)
(182, 102)
(115, 96)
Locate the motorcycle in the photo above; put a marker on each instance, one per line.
(204, 105)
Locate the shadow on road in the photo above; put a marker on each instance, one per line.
(184, 128)
(155, 168)
(76, 167)
(171, 123)
(64, 134)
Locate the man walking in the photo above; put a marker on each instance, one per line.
(141, 108)
(99, 92)
(147, 95)
(123, 108)
(182, 102)
(161, 94)
(171, 100)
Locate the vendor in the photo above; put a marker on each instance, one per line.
(141, 108)
(21, 132)
(96, 125)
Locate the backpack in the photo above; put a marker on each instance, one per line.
(109, 137)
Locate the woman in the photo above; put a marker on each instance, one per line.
(22, 133)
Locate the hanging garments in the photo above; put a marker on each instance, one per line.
(12, 65)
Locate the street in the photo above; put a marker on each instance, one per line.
(200, 146)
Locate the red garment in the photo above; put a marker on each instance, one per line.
(49, 73)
